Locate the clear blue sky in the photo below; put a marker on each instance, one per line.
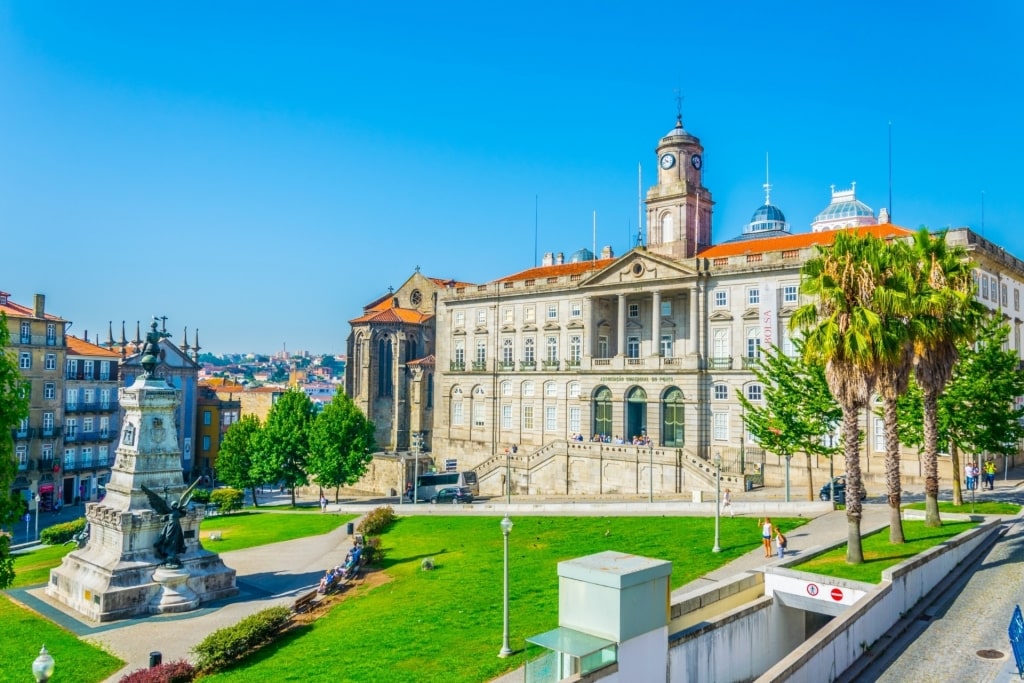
(262, 170)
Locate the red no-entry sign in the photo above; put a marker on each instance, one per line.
(837, 594)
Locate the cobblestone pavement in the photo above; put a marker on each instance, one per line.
(970, 616)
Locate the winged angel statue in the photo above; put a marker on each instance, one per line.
(171, 541)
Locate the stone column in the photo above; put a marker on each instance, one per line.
(656, 324)
(620, 333)
(694, 326)
(588, 327)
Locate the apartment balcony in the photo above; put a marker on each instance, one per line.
(507, 366)
(458, 366)
(21, 434)
(636, 362)
(23, 465)
(720, 363)
(45, 464)
(751, 362)
(550, 364)
(73, 437)
(571, 364)
(37, 340)
(601, 362)
(479, 365)
(50, 432)
(527, 365)
(91, 407)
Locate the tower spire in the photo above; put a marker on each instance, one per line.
(767, 184)
(679, 108)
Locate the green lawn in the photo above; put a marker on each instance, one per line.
(879, 554)
(34, 567)
(446, 625)
(25, 632)
(988, 507)
(247, 529)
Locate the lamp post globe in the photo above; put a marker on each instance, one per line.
(506, 527)
(718, 493)
(42, 667)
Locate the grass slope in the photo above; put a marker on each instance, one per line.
(988, 507)
(446, 625)
(248, 529)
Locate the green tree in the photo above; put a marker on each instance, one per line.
(341, 444)
(13, 409)
(978, 410)
(845, 334)
(797, 411)
(239, 455)
(284, 445)
(947, 314)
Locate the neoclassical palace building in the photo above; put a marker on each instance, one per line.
(570, 362)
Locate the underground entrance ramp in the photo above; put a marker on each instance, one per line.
(812, 592)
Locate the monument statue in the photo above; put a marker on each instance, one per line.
(151, 349)
(171, 541)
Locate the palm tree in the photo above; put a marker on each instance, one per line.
(844, 332)
(948, 314)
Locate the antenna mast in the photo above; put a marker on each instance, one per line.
(890, 171)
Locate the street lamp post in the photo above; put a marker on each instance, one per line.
(650, 473)
(42, 667)
(787, 476)
(831, 469)
(416, 467)
(508, 480)
(35, 497)
(718, 493)
(506, 527)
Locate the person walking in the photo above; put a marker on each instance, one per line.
(780, 542)
(727, 503)
(990, 474)
(766, 535)
(323, 503)
(975, 474)
(969, 476)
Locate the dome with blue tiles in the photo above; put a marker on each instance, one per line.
(844, 211)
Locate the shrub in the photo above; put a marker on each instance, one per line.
(427, 564)
(171, 672)
(62, 533)
(373, 550)
(225, 645)
(227, 499)
(377, 521)
(201, 496)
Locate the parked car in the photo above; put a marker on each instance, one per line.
(453, 494)
(839, 484)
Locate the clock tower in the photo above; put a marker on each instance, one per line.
(679, 207)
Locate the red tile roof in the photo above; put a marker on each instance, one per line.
(18, 311)
(454, 283)
(80, 347)
(392, 315)
(798, 241)
(541, 272)
(427, 360)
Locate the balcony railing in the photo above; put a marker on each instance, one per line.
(527, 365)
(22, 465)
(37, 340)
(458, 366)
(571, 363)
(602, 361)
(507, 365)
(79, 407)
(550, 364)
(635, 362)
(720, 363)
(46, 464)
(750, 362)
(47, 432)
(479, 365)
(21, 434)
(72, 437)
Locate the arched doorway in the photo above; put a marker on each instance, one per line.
(602, 411)
(636, 413)
(672, 425)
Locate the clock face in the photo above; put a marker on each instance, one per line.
(695, 160)
(667, 161)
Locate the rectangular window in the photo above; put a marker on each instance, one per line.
(25, 360)
(1016, 299)
(508, 315)
(575, 309)
(104, 427)
(721, 426)
(788, 347)
(87, 456)
(789, 294)
(720, 346)
(506, 351)
(21, 453)
(574, 420)
(666, 309)
(51, 334)
(506, 417)
(754, 392)
(552, 311)
(51, 361)
(602, 347)
(550, 390)
(529, 350)
(481, 316)
(550, 422)
(529, 314)
(89, 396)
(207, 417)
(481, 350)
(754, 342)
(72, 368)
(102, 453)
(460, 318)
(551, 349)
(26, 332)
(69, 458)
(721, 298)
(1004, 295)
(70, 427)
(71, 398)
(47, 451)
(666, 345)
(879, 435)
(48, 424)
(478, 414)
(457, 412)
(528, 389)
(527, 417)
(105, 370)
(633, 347)
(984, 287)
(634, 310)
(206, 443)
(460, 352)
(104, 398)
(721, 392)
(87, 424)
(87, 368)
(753, 297)
(574, 390)
(575, 348)
(49, 391)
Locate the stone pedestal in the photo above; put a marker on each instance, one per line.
(118, 574)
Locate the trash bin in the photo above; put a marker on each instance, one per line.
(350, 528)
(155, 659)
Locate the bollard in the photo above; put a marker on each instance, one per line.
(155, 659)
(350, 528)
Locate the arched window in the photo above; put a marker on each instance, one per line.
(458, 408)
(668, 229)
(574, 389)
(636, 413)
(384, 362)
(672, 426)
(550, 390)
(430, 391)
(754, 392)
(603, 411)
(506, 388)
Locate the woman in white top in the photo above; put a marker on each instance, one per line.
(727, 502)
(766, 535)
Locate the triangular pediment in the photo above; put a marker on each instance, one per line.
(575, 325)
(633, 324)
(551, 326)
(529, 327)
(640, 267)
(508, 328)
(720, 315)
(751, 314)
(667, 322)
(480, 329)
